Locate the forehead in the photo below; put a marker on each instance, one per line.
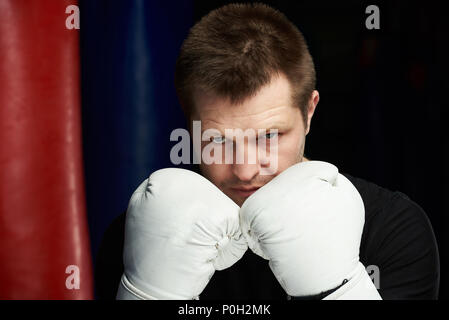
(271, 104)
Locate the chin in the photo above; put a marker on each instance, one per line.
(238, 201)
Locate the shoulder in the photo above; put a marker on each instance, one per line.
(117, 226)
(398, 238)
(389, 212)
(109, 261)
(113, 237)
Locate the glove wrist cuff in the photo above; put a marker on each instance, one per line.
(127, 291)
(319, 296)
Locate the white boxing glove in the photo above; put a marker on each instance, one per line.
(308, 223)
(179, 229)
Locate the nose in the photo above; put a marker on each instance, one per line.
(245, 172)
(249, 168)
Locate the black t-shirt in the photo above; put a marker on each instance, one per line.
(397, 239)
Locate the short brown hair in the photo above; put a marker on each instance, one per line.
(235, 50)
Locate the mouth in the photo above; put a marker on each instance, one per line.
(244, 192)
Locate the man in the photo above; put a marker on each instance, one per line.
(312, 232)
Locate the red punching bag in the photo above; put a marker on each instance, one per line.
(44, 244)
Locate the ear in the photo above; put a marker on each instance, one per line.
(313, 102)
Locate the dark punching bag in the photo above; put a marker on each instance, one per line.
(44, 244)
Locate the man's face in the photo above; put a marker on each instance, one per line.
(271, 108)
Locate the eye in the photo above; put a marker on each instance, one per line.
(271, 135)
(218, 139)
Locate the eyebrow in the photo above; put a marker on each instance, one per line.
(280, 126)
